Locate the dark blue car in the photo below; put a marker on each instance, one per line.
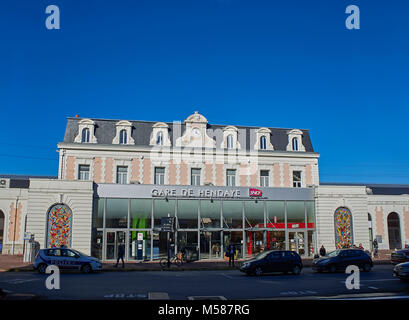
(273, 261)
(339, 260)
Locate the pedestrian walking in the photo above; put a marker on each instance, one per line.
(361, 247)
(323, 252)
(121, 253)
(231, 250)
(375, 247)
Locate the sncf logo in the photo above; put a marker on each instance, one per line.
(255, 192)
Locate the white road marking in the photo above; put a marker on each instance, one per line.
(227, 276)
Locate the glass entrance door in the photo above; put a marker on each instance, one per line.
(297, 242)
(255, 242)
(113, 239)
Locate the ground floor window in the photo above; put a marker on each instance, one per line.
(204, 227)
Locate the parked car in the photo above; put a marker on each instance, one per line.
(400, 256)
(401, 271)
(273, 261)
(339, 260)
(65, 259)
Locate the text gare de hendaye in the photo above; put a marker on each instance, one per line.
(201, 193)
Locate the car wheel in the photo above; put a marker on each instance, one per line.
(41, 268)
(367, 267)
(86, 268)
(296, 270)
(332, 269)
(258, 271)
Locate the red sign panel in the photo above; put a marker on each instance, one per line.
(255, 192)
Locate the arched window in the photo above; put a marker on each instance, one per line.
(59, 226)
(85, 135)
(159, 139)
(395, 241)
(295, 144)
(343, 228)
(263, 143)
(229, 141)
(123, 139)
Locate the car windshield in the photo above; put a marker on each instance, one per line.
(334, 253)
(261, 255)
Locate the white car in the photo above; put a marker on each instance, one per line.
(66, 259)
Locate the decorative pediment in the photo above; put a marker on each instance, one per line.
(195, 135)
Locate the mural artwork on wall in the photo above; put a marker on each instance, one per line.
(59, 226)
(343, 228)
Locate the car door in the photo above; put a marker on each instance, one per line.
(71, 260)
(274, 261)
(346, 259)
(55, 258)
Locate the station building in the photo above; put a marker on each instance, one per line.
(255, 187)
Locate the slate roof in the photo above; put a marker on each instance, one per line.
(377, 189)
(105, 131)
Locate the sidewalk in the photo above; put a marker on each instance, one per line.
(8, 262)
(16, 264)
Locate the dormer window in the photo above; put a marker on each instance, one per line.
(295, 144)
(229, 141)
(85, 135)
(230, 138)
(263, 143)
(159, 139)
(86, 131)
(123, 133)
(160, 135)
(123, 137)
(295, 140)
(263, 139)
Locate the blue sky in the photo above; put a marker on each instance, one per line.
(289, 64)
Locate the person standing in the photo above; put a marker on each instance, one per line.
(323, 252)
(231, 251)
(121, 253)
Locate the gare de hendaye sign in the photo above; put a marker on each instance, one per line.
(196, 193)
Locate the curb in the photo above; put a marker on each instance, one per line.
(158, 268)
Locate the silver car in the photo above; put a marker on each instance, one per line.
(401, 271)
(66, 259)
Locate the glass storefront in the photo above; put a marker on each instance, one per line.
(204, 227)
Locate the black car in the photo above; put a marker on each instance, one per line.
(339, 260)
(401, 271)
(273, 261)
(400, 256)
